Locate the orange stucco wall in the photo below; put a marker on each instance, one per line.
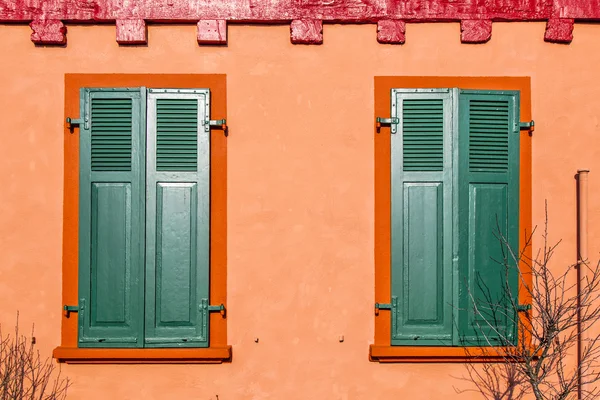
(300, 192)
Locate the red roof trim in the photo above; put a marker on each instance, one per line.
(47, 17)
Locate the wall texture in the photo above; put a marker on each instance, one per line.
(300, 192)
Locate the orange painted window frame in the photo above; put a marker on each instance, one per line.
(218, 351)
(381, 350)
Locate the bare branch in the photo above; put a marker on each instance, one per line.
(24, 375)
(542, 360)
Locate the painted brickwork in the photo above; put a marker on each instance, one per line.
(47, 18)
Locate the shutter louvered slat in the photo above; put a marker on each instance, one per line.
(423, 129)
(176, 134)
(111, 134)
(488, 135)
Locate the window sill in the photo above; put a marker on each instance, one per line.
(211, 355)
(432, 354)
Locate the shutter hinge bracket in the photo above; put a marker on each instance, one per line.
(217, 124)
(527, 126)
(72, 122)
(382, 306)
(220, 308)
(523, 307)
(70, 309)
(387, 121)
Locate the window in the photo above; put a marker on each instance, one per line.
(144, 218)
(150, 226)
(455, 185)
(454, 172)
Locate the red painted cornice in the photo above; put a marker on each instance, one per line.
(47, 17)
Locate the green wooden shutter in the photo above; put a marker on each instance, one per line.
(488, 208)
(421, 160)
(177, 218)
(111, 218)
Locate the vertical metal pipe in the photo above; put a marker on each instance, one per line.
(582, 225)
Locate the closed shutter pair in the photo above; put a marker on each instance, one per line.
(144, 218)
(455, 217)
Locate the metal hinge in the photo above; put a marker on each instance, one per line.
(523, 307)
(215, 123)
(393, 307)
(382, 306)
(72, 122)
(205, 309)
(218, 308)
(527, 126)
(387, 121)
(70, 309)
